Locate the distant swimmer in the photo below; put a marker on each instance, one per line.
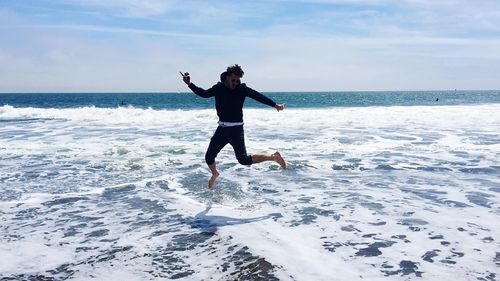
(230, 95)
(437, 99)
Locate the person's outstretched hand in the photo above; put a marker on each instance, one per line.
(185, 77)
(279, 107)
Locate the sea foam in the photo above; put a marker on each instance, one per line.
(371, 193)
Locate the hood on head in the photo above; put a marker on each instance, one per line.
(223, 76)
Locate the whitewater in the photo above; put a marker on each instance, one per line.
(370, 193)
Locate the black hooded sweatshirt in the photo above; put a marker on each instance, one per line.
(229, 103)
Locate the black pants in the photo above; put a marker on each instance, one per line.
(232, 135)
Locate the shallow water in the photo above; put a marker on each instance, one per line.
(373, 193)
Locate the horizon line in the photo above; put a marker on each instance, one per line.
(282, 91)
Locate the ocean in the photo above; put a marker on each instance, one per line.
(379, 186)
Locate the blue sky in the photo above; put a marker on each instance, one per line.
(297, 45)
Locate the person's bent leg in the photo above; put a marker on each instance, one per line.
(276, 157)
(238, 143)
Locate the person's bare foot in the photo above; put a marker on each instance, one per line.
(211, 182)
(277, 157)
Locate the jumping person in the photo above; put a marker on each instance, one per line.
(230, 95)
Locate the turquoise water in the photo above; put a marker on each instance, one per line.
(291, 99)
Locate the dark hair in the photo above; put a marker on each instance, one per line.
(235, 69)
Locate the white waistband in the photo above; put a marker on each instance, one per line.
(229, 124)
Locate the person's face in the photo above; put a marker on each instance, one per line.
(232, 81)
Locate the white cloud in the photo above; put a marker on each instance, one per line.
(129, 31)
(62, 62)
(133, 8)
(281, 56)
(334, 64)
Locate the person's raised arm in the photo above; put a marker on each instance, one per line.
(262, 99)
(197, 90)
